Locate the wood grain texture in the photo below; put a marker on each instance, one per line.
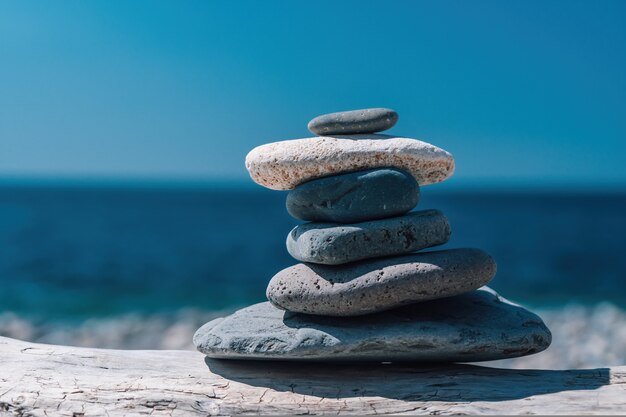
(46, 380)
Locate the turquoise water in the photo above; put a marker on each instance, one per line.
(68, 253)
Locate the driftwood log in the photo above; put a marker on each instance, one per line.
(45, 380)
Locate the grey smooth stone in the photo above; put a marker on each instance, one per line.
(377, 285)
(353, 122)
(477, 326)
(354, 197)
(333, 244)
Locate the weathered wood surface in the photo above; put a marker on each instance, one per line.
(45, 380)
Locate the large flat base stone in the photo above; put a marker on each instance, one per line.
(477, 326)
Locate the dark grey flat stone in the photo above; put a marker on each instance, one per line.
(353, 122)
(354, 197)
(376, 285)
(477, 326)
(334, 244)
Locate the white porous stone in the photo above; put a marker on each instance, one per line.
(286, 164)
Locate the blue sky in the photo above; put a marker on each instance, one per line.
(529, 92)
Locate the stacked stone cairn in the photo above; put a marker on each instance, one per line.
(362, 293)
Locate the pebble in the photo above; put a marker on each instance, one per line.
(287, 164)
(381, 284)
(476, 326)
(334, 244)
(354, 121)
(354, 197)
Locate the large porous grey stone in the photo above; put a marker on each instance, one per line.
(354, 121)
(381, 284)
(354, 197)
(476, 326)
(286, 164)
(333, 244)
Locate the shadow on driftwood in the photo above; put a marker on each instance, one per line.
(408, 382)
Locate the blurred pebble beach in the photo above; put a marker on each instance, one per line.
(583, 336)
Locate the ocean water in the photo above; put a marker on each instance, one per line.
(72, 253)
